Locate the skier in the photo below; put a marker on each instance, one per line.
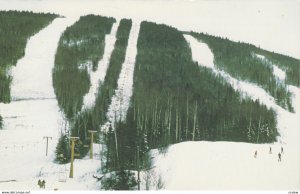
(44, 184)
(279, 157)
(281, 150)
(270, 152)
(40, 183)
(255, 154)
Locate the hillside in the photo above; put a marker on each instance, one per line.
(169, 109)
(16, 29)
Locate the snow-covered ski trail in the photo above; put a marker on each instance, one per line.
(231, 165)
(120, 101)
(98, 76)
(33, 112)
(206, 58)
(277, 71)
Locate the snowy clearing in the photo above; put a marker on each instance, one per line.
(231, 165)
(117, 110)
(97, 77)
(277, 72)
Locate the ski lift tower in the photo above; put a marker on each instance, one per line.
(73, 139)
(92, 141)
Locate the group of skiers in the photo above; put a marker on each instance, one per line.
(42, 184)
(270, 152)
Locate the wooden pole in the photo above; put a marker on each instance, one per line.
(92, 141)
(73, 139)
(47, 138)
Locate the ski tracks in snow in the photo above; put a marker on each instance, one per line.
(98, 76)
(120, 101)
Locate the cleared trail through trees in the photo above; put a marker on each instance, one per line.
(246, 89)
(241, 165)
(120, 101)
(33, 112)
(98, 76)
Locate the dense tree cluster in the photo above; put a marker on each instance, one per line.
(239, 60)
(290, 65)
(91, 119)
(15, 29)
(80, 48)
(175, 100)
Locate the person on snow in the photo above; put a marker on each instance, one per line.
(281, 150)
(270, 152)
(44, 184)
(40, 183)
(279, 157)
(255, 154)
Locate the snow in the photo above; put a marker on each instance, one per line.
(97, 77)
(279, 73)
(55, 175)
(189, 165)
(120, 101)
(231, 165)
(34, 114)
(203, 49)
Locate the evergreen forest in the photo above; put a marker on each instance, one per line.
(239, 60)
(175, 100)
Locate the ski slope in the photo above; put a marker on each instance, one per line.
(188, 165)
(231, 165)
(34, 114)
(117, 110)
(97, 77)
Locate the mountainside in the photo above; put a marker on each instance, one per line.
(145, 90)
(16, 28)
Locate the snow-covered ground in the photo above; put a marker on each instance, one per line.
(272, 25)
(278, 72)
(229, 165)
(34, 114)
(120, 101)
(97, 77)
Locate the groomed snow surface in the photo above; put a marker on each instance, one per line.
(117, 110)
(230, 165)
(35, 115)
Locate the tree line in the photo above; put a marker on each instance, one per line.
(80, 48)
(239, 60)
(91, 119)
(175, 100)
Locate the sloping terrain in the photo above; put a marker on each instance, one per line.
(16, 28)
(172, 109)
(35, 114)
(234, 164)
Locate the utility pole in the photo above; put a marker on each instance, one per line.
(92, 141)
(47, 137)
(73, 139)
